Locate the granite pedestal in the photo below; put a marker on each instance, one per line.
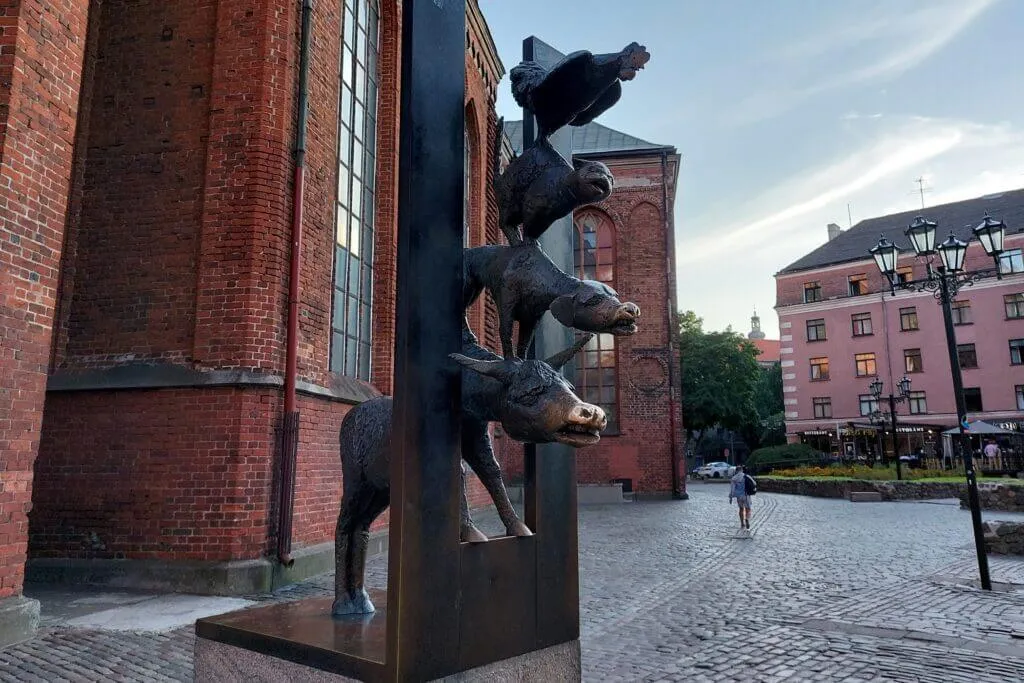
(300, 641)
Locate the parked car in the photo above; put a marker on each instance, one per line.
(715, 470)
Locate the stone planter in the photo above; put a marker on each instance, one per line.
(839, 488)
(1005, 497)
(1004, 538)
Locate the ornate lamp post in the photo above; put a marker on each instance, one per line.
(894, 400)
(944, 281)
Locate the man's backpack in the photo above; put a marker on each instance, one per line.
(749, 485)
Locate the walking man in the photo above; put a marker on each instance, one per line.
(741, 487)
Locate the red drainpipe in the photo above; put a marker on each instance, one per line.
(290, 428)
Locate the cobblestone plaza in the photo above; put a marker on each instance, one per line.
(825, 590)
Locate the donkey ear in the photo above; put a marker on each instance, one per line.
(489, 368)
(564, 309)
(562, 357)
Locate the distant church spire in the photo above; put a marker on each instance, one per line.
(755, 327)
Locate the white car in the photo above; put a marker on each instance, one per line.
(715, 470)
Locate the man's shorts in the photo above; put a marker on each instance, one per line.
(743, 501)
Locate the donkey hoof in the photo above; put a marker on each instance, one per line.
(470, 534)
(358, 603)
(519, 529)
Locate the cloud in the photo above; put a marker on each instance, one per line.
(742, 249)
(871, 49)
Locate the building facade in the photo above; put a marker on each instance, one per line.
(146, 223)
(146, 185)
(627, 242)
(767, 349)
(841, 328)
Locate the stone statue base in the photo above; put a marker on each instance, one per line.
(300, 641)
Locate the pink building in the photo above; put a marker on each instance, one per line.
(840, 328)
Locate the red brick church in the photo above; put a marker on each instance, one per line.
(146, 226)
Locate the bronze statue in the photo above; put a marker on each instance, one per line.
(525, 283)
(539, 187)
(578, 89)
(530, 399)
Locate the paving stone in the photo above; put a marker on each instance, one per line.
(824, 590)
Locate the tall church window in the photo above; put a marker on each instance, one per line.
(357, 149)
(596, 375)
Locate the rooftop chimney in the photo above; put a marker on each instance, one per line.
(833, 231)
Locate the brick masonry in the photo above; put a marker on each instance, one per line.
(179, 231)
(41, 55)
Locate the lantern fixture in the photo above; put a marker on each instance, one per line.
(952, 252)
(904, 385)
(922, 235)
(876, 388)
(990, 233)
(885, 254)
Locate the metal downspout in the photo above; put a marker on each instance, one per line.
(290, 427)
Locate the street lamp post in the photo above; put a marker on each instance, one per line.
(944, 281)
(894, 400)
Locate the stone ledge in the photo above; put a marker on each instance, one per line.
(865, 497)
(844, 488)
(238, 577)
(19, 619)
(1004, 538)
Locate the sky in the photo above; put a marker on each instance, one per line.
(793, 114)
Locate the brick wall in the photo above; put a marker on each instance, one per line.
(181, 233)
(41, 52)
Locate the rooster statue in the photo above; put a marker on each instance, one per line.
(576, 90)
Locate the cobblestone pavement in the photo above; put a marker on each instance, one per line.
(824, 590)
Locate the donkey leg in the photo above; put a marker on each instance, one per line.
(350, 551)
(468, 533)
(477, 451)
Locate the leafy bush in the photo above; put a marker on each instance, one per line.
(859, 472)
(790, 455)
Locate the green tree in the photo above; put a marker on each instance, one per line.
(769, 429)
(720, 377)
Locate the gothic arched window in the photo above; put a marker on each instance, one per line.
(357, 149)
(596, 376)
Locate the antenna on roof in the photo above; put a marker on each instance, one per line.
(921, 189)
(849, 216)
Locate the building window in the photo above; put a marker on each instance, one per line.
(467, 186)
(918, 404)
(596, 374)
(1016, 355)
(816, 330)
(1011, 261)
(967, 355)
(961, 311)
(865, 364)
(912, 360)
(858, 284)
(819, 368)
(1014, 305)
(972, 400)
(1019, 391)
(822, 407)
(904, 274)
(908, 318)
(354, 207)
(812, 292)
(868, 404)
(861, 323)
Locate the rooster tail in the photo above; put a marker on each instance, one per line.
(524, 78)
